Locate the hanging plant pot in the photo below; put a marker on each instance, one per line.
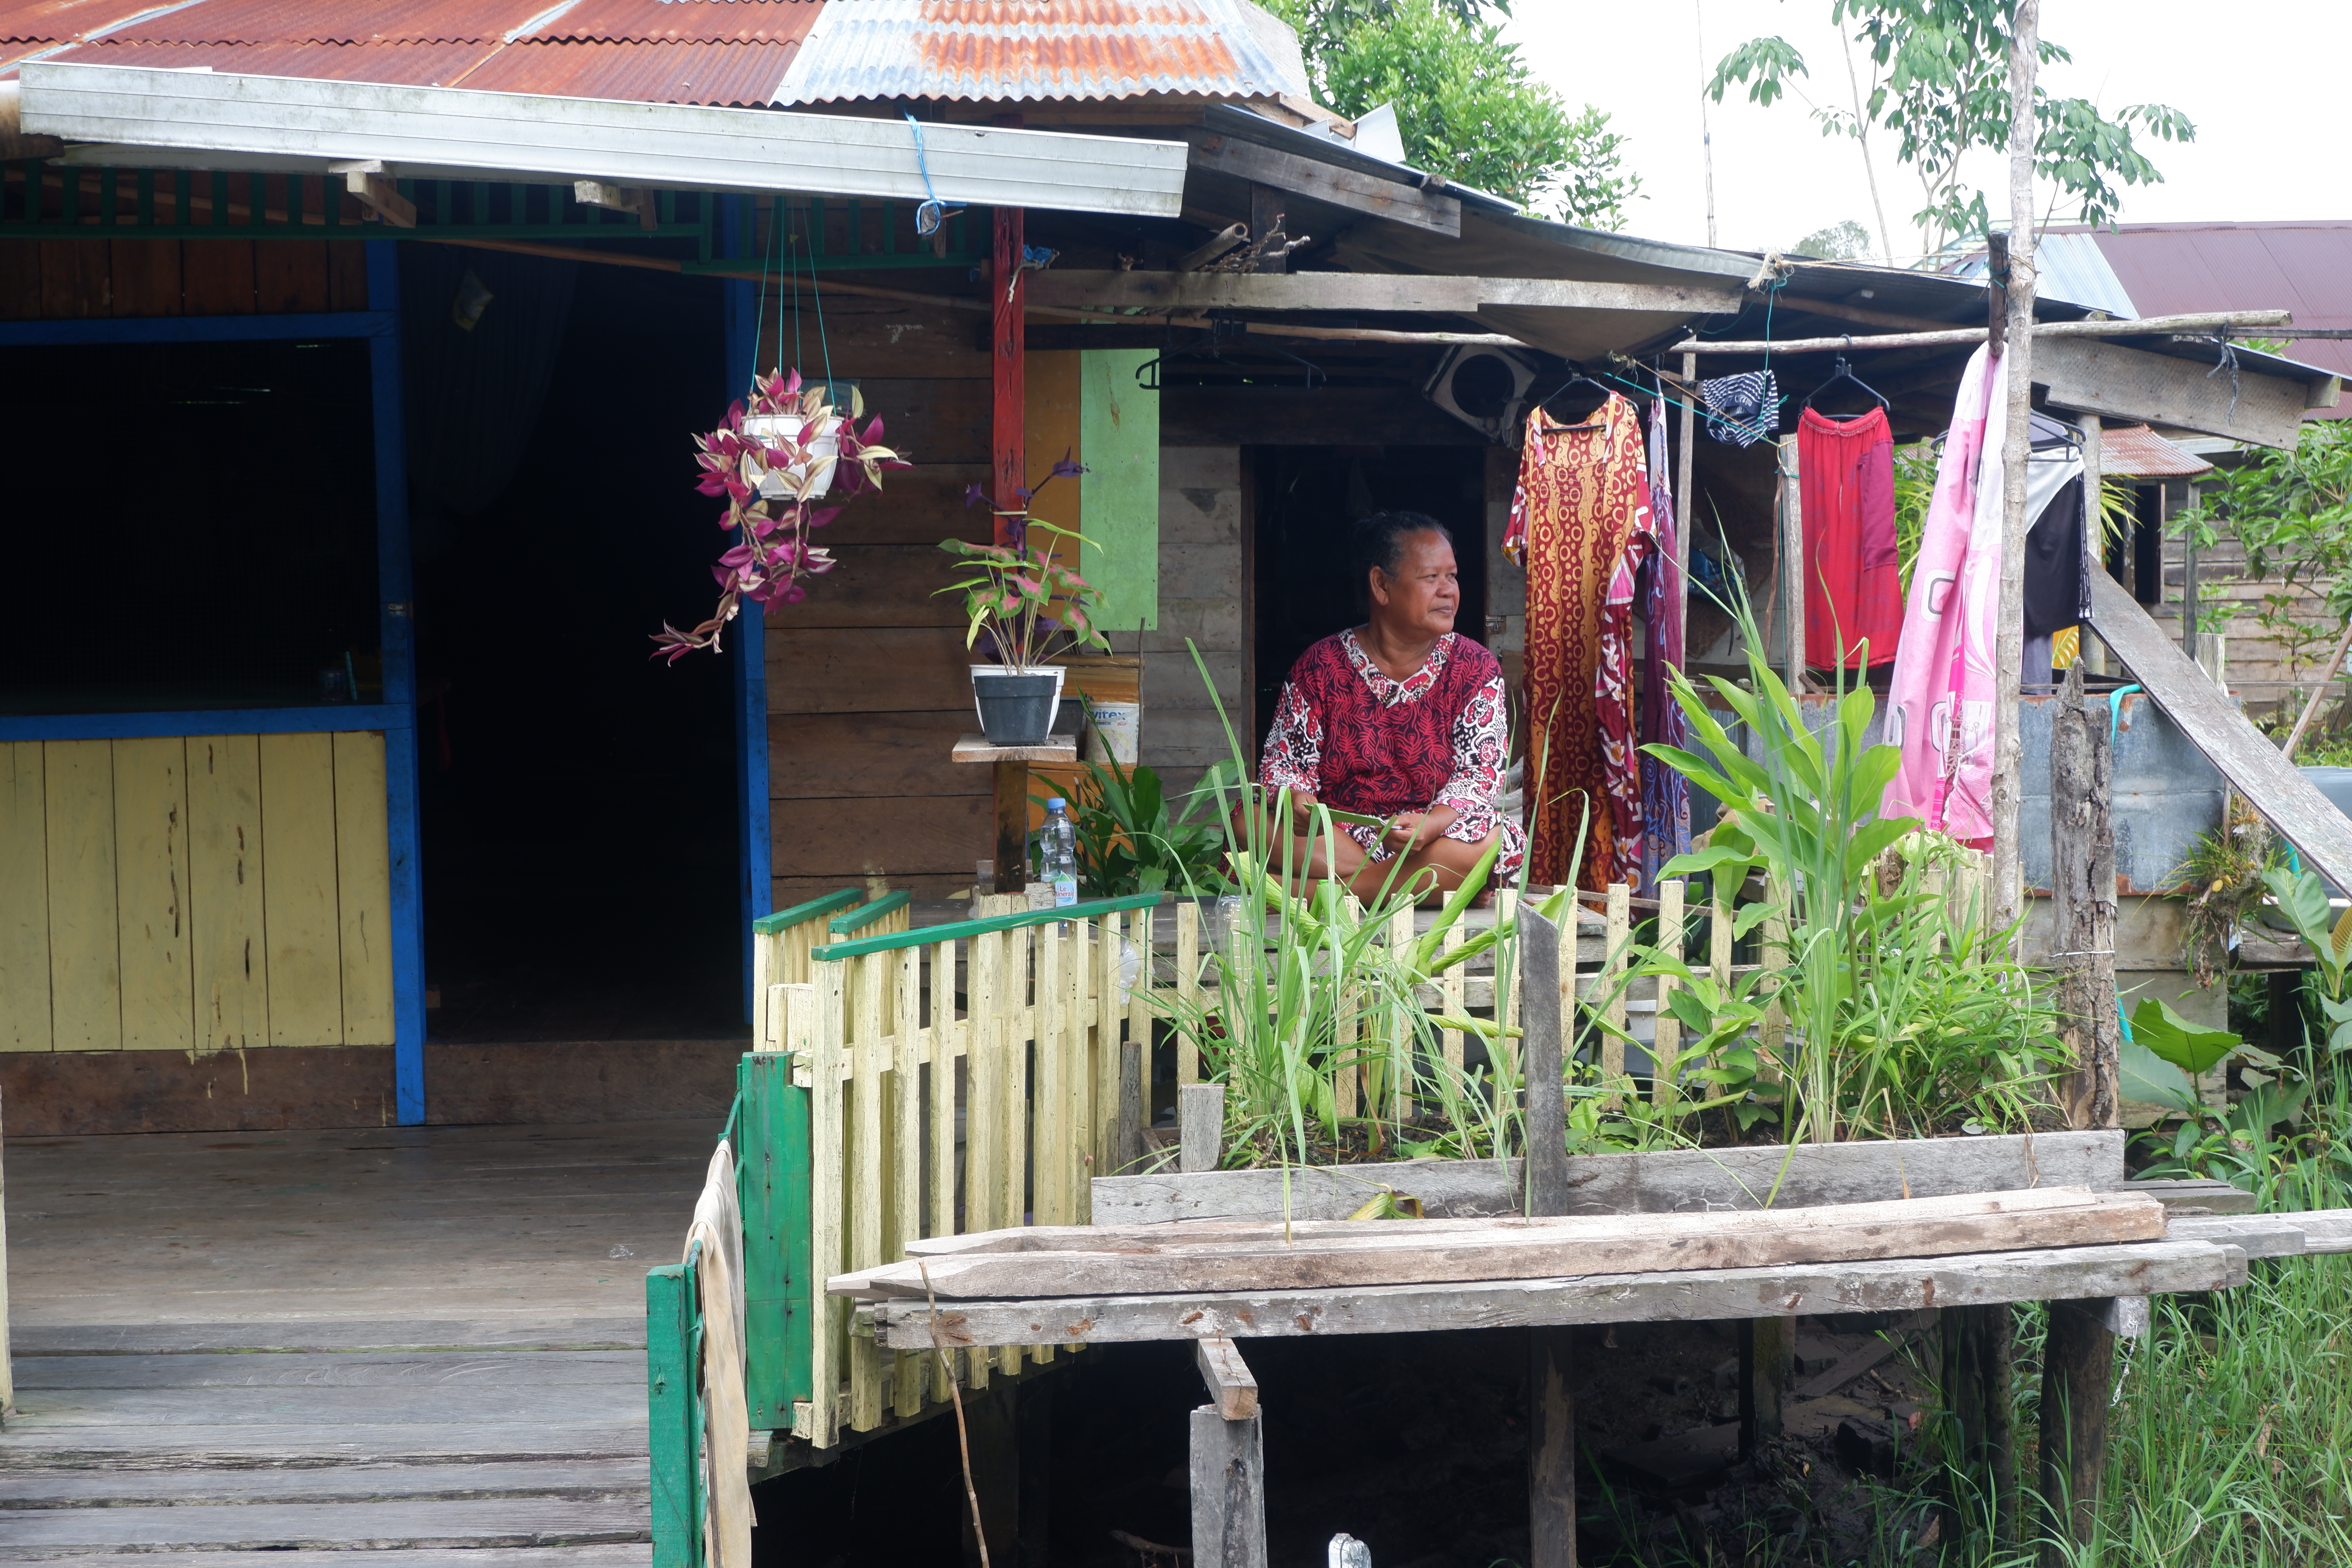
(784, 430)
(1015, 706)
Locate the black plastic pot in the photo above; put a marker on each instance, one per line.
(1015, 710)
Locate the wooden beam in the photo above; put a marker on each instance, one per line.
(1551, 1449)
(2158, 1268)
(1200, 1126)
(1768, 1361)
(2078, 1364)
(1228, 1482)
(2216, 727)
(376, 190)
(1367, 193)
(1230, 1380)
(1357, 292)
(1269, 215)
(2083, 895)
(1545, 1005)
(1008, 286)
(2245, 404)
(2146, 326)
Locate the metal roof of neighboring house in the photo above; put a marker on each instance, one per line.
(2174, 268)
(1030, 49)
(2140, 452)
(697, 51)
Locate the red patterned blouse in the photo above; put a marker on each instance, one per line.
(1362, 741)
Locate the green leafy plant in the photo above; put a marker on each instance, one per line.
(1029, 602)
(1132, 839)
(2302, 898)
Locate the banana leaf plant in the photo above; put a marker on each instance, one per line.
(795, 448)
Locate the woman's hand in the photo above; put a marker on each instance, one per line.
(1411, 830)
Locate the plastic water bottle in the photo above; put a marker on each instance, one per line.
(1059, 848)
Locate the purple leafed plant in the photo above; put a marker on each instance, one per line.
(771, 460)
(1019, 597)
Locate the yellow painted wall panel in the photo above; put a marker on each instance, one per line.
(297, 888)
(24, 900)
(229, 942)
(1050, 422)
(85, 968)
(151, 885)
(364, 887)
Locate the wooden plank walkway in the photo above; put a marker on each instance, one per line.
(374, 1349)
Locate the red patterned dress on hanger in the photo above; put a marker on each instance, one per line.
(1363, 743)
(1583, 498)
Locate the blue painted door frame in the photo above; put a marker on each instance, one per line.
(379, 325)
(741, 323)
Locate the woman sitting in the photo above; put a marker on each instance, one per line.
(1401, 719)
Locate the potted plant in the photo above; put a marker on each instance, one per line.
(1022, 603)
(771, 459)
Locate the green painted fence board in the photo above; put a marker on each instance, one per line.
(867, 914)
(923, 936)
(816, 909)
(772, 1184)
(672, 1418)
(1118, 495)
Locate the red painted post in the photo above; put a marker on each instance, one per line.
(1009, 365)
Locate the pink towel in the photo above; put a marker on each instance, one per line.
(1939, 711)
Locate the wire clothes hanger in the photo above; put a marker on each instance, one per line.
(1845, 372)
(1210, 349)
(1606, 393)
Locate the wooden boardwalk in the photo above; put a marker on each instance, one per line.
(393, 1347)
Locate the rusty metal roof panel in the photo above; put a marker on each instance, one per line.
(1015, 49)
(2140, 452)
(345, 21)
(397, 65)
(63, 21)
(641, 70)
(682, 21)
(2174, 268)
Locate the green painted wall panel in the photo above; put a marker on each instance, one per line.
(1119, 441)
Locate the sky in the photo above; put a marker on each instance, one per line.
(1778, 178)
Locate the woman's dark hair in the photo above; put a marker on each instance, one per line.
(1379, 539)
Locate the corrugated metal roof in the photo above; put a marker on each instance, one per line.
(2173, 268)
(345, 21)
(641, 70)
(61, 21)
(1011, 49)
(2136, 450)
(399, 64)
(2069, 266)
(682, 21)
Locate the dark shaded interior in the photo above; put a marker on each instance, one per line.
(188, 526)
(580, 857)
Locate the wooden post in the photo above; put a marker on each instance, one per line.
(1665, 1029)
(1200, 1126)
(2083, 905)
(1978, 1342)
(1545, 992)
(1767, 1356)
(2017, 447)
(1793, 566)
(674, 1435)
(1551, 1449)
(1009, 376)
(1266, 205)
(1686, 504)
(1615, 933)
(1127, 1140)
(2095, 554)
(1011, 827)
(1228, 1476)
(2078, 1362)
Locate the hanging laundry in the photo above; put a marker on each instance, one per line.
(1582, 496)
(1666, 797)
(1939, 709)
(1853, 590)
(1743, 409)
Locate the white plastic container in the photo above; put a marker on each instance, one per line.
(1118, 730)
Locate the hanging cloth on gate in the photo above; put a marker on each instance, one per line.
(1940, 707)
(1853, 592)
(1583, 495)
(1744, 408)
(1665, 797)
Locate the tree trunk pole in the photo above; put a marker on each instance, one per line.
(2017, 446)
(2083, 905)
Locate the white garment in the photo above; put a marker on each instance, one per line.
(726, 1412)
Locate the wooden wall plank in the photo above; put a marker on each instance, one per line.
(146, 277)
(347, 274)
(882, 585)
(229, 961)
(920, 505)
(151, 882)
(74, 279)
(20, 280)
(1119, 431)
(289, 275)
(25, 910)
(867, 669)
(364, 887)
(85, 970)
(298, 890)
(216, 276)
(872, 338)
(929, 421)
(817, 756)
(886, 836)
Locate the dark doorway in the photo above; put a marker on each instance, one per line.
(1306, 498)
(579, 843)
